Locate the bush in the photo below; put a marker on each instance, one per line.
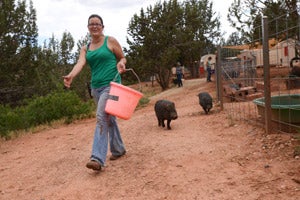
(44, 110)
(10, 120)
(56, 106)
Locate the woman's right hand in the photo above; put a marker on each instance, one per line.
(68, 80)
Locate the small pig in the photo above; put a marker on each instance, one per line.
(205, 101)
(165, 110)
(295, 65)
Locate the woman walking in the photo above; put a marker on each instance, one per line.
(106, 59)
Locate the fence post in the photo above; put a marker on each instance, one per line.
(218, 78)
(266, 64)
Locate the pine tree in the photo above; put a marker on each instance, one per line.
(170, 32)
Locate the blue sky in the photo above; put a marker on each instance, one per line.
(57, 16)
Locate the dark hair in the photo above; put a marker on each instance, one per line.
(97, 16)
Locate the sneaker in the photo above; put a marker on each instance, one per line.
(115, 157)
(94, 165)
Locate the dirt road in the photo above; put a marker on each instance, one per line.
(202, 157)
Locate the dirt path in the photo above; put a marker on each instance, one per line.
(202, 157)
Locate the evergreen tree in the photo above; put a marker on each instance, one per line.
(82, 81)
(245, 16)
(18, 43)
(66, 48)
(170, 32)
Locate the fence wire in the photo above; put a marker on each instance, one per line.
(243, 84)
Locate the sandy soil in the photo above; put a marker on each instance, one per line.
(202, 157)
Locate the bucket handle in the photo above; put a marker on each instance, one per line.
(130, 69)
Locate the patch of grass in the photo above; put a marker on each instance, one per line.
(148, 90)
(297, 147)
(297, 151)
(297, 137)
(143, 102)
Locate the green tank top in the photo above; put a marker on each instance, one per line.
(103, 64)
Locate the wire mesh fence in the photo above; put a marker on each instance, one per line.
(249, 80)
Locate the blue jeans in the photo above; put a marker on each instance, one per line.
(208, 74)
(179, 80)
(106, 128)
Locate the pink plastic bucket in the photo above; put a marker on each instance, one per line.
(122, 100)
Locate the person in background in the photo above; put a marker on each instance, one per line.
(106, 60)
(208, 69)
(179, 74)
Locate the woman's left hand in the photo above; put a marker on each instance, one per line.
(121, 67)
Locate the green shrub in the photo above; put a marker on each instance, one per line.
(9, 120)
(56, 106)
(44, 110)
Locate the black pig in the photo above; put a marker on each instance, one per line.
(295, 65)
(205, 101)
(165, 110)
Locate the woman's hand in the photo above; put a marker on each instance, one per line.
(121, 66)
(68, 80)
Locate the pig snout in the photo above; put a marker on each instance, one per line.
(174, 115)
